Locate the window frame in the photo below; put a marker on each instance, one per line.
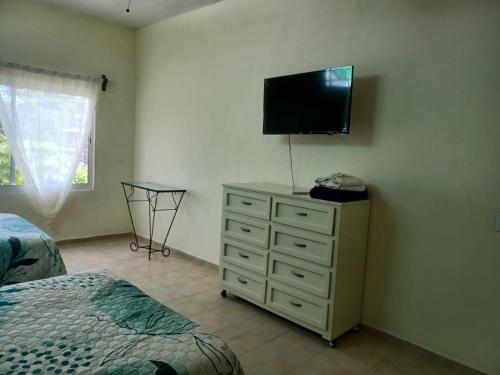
(89, 186)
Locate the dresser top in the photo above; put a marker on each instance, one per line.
(284, 190)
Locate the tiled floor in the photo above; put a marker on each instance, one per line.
(264, 343)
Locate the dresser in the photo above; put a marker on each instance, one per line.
(298, 257)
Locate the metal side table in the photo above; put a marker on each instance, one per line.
(152, 191)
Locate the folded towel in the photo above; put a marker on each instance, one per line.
(346, 180)
(338, 181)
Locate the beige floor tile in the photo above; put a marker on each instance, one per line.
(284, 354)
(188, 288)
(162, 294)
(211, 280)
(356, 353)
(359, 352)
(263, 361)
(200, 271)
(142, 279)
(171, 277)
(187, 308)
(207, 300)
(249, 334)
(152, 268)
(267, 325)
(222, 316)
(413, 361)
(318, 365)
(212, 321)
(241, 337)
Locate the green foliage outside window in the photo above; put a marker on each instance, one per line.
(82, 174)
(4, 160)
(80, 177)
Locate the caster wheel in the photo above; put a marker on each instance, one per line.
(223, 293)
(332, 343)
(355, 329)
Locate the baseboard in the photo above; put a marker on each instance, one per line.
(92, 238)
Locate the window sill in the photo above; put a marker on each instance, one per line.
(20, 188)
(82, 187)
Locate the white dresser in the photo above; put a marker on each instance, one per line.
(298, 257)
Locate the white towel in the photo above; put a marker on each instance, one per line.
(346, 180)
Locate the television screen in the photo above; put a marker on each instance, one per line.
(309, 103)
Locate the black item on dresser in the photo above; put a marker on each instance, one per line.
(335, 195)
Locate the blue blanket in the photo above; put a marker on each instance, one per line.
(26, 252)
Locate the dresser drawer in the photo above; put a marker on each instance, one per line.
(244, 282)
(246, 229)
(313, 247)
(304, 275)
(306, 308)
(247, 203)
(303, 214)
(245, 256)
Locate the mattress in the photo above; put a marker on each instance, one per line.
(26, 252)
(97, 323)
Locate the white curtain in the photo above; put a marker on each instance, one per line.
(46, 119)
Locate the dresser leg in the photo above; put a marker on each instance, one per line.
(223, 293)
(355, 329)
(332, 343)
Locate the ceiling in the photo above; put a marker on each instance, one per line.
(142, 12)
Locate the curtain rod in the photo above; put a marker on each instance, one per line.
(103, 80)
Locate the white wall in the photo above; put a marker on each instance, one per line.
(425, 136)
(40, 36)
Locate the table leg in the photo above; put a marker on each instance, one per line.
(152, 216)
(134, 246)
(163, 247)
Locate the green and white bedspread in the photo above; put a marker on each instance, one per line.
(97, 323)
(26, 252)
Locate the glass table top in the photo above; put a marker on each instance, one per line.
(151, 186)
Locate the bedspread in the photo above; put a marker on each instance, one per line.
(26, 252)
(98, 323)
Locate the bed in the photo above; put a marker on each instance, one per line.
(97, 323)
(26, 252)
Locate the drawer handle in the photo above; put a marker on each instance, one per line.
(242, 281)
(297, 274)
(301, 214)
(301, 245)
(247, 203)
(245, 229)
(243, 255)
(296, 304)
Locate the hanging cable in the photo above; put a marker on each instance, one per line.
(291, 160)
(128, 8)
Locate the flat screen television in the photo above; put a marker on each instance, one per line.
(309, 103)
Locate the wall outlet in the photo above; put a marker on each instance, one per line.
(497, 225)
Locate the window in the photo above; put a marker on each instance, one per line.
(11, 178)
(48, 119)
